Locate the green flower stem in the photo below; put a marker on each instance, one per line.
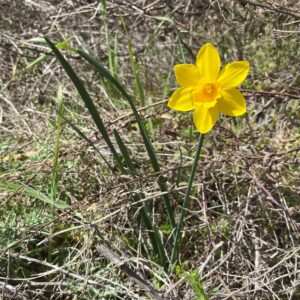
(186, 201)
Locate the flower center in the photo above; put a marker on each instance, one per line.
(206, 93)
(209, 89)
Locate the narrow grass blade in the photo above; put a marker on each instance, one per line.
(153, 233)
(16, 187)
(135, 70)
(153, 36)
(124, 152)
(55, 171)
(54, 180)
(116, 58)
(87, 100)
(166, 86)
(147, 142)
(102, 7)
(109, 89)
(151, 39)
(164, 19)
(181, 50)
(61, 45)
(108, 50)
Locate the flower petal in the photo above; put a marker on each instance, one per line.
(208, 61)
(181, 100)
(187, 75)
(233, 74)
(205, 118)
(232, 103)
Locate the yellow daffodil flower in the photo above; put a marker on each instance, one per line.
(208, 91)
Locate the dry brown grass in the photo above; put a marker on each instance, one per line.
(242, 227)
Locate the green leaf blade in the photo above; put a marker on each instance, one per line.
(86, 99)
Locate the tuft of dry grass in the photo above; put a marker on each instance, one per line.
(241, 230)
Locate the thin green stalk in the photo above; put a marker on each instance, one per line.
(54, 179)
(108, 88)
(181, 50)
(186, 201)
(115, 55)
(57, 147)
(135, 70)
(125, 153)
(108, 48)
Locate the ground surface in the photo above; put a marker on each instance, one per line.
(241, 231)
